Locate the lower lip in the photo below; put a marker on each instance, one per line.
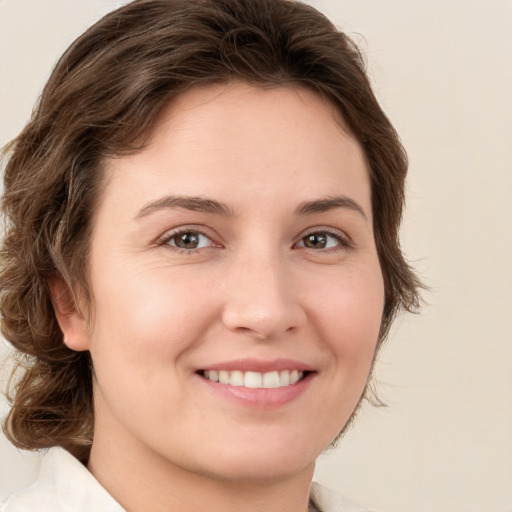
(265, 398)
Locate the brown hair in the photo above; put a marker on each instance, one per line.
(100, 101)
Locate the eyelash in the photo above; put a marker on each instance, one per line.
(174, 235)
(342, 241)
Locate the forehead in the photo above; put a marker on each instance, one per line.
(265, 141)
(238, 92)
(225, 108)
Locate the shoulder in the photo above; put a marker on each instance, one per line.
(327, 500)
(63, 485)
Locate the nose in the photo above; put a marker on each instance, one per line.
(261, 298)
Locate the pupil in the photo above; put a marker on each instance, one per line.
(315, 241)
(188, 241)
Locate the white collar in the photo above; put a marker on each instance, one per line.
(327, 500)
(65, 485)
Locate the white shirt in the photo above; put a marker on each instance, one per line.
(65, 485)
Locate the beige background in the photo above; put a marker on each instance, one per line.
(443, 72)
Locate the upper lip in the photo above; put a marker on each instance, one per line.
(259, 365)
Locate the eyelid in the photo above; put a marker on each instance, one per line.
(344, 240)
(194, 228)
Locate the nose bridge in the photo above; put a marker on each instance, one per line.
(260, 297)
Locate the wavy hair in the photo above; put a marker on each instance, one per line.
(101, 101)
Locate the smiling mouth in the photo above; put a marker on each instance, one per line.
(255, 380)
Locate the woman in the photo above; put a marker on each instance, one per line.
(201, 259)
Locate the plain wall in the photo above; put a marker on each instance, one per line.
(442, 70)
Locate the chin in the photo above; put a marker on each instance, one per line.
(272, 468)
(267, 460)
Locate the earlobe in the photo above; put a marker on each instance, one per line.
(72, 323)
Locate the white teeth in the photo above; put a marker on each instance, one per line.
(237, 379)
(255, 380)
(271, 380)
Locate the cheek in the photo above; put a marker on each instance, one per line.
(148, 319)
(351, 314)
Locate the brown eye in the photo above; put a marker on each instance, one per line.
(189, 240)
(315, 241)
(321, 240)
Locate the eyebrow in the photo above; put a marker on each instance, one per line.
(196, 204)
(329, 203)
(204, 205)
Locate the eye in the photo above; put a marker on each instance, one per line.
(188, 240)
(322, 240)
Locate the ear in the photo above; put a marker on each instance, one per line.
(72, 323)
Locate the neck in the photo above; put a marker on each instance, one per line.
(140, 479)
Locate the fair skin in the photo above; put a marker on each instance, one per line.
(237, 245)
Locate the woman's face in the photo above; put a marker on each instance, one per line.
(237, 292)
